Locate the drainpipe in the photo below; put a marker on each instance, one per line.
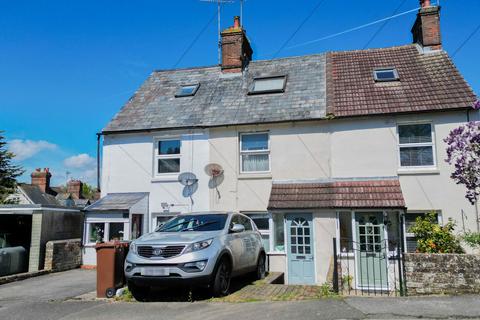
(98, 160)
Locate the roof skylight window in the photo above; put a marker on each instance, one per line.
(187, 91)
(268, 85)
(388, 74)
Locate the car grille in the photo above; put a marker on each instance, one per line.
(165, 252)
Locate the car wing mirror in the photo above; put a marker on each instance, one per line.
(237, 228)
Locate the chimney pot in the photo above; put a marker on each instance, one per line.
(425, 3)
(236, 22)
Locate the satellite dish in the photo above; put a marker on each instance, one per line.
(187, 179)
(213, 170)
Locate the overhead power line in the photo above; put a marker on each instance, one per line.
(310, 14)
(470, 36)
(190, 46)
(351, 29)
(383, 25)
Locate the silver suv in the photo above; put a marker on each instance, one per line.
(195, 249)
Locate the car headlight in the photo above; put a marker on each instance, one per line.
(198, 245)
(196, 266)
(133, 247)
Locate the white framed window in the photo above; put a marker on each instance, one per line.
(254, 152)
(385, 74)
(105, 231)
(416, 145)
(167, 156)
(408, 221)
(278, 232)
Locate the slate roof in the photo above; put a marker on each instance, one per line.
(428, 82)
(222, 99)
(117, 201)
(355, 193)
(37, 196)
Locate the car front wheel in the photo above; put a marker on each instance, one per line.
(140, 293)
(221, 280)
(260, 273)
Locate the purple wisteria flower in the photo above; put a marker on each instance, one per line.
(463, 152)
(476, 105)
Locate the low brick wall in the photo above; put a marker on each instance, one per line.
(442, 273)
(63, 254)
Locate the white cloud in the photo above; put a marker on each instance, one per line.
(24, 149)
(82, 160)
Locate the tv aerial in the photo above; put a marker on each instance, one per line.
(219, 6)
(190, 182)
(215, 172)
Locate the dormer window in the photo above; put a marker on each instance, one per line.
(264, 85)
(187, 90)
(387, 74)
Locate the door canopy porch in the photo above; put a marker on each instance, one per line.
(359, 193)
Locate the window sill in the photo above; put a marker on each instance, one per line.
(414, 171)
(166, 178)
(247, 176)
(276, 253)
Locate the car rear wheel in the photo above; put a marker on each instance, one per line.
(260, 272)
(140, 293)
(221, 280)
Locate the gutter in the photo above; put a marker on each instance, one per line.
(107, 132)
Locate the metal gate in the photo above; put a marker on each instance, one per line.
(369, 267)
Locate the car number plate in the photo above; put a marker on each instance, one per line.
(155, 272)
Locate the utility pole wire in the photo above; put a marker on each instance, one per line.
(383, 25)
(351, 29)
(190, 46)
(310, 14)
(460, 47)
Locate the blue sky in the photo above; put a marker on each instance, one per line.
(68, 66)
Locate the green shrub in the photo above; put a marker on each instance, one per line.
(472, 239)
(433, 238)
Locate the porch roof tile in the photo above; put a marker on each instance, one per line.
(374, 193)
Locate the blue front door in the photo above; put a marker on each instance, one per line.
(301, 267)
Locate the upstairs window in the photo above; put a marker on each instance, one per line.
(383, 75)
(167, 156)
(187, 91)
(416, 145)
(254, 152)
(268, 85)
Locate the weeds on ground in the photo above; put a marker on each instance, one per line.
(126, 296)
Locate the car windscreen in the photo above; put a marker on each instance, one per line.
(200, 222)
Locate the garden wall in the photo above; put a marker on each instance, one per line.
(442, 273)
(63, 254)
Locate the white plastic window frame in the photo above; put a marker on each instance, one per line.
(254, 152)
(157, 156)
(422, 144)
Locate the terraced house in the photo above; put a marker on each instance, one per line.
(337, 145)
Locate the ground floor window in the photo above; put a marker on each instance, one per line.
(278, 232)
(409, 221)
(262, 221)
(137, 226)
(105, 231)
(346, 234)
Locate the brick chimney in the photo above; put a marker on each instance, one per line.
(41, 179)
(236, 49)
(74, 187)
(426, 30)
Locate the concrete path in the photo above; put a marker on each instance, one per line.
(49, 297)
